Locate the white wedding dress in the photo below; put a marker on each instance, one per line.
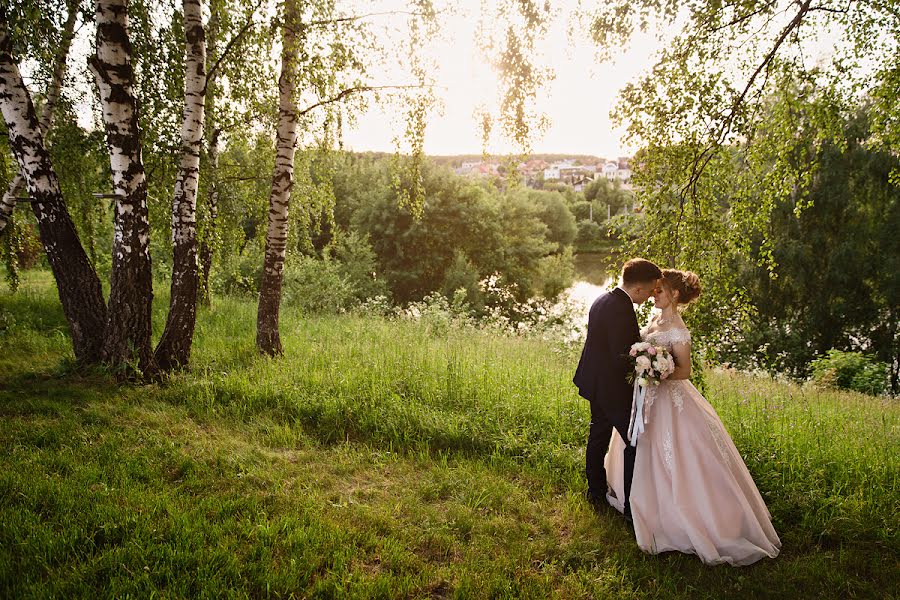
(691, 490)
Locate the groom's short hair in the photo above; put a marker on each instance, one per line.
(639, 270)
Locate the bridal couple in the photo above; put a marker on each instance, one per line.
(682, 483)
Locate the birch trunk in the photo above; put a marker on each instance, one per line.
(17, 185)
(210, 234)
(212, 203)
(76, 281)
(174, 348)
(268, 340)
(127, 335)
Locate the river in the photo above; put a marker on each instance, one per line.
(591, 280)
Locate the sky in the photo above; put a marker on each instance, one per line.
(577, 102)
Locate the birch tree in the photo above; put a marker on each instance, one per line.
(334, 51)
(17, 186)
(174, 348)
(77, 283)
(239, 94)
(268, 339)
(127, 334)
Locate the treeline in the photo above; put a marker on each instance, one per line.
(353, 238)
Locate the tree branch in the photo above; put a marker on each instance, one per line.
(743, 18)
(354, 90)
(359, 18)
(229, 47)
(706, 155)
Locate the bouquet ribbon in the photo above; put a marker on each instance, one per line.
(636, 424)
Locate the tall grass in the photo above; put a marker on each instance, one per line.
(385, 458)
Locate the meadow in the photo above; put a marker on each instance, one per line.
(387, 458)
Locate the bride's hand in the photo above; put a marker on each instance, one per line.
(681, 352)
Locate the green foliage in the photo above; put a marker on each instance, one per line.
(556, 215)
(556, 273)
(81, 162)
(604, 194)
(317, 286)
(465, 232)
(357, 262)
(238, 274)
(836, 284)
(850, 371)
(734, 136)
(628, 227)
(10, 246)
(589, 232)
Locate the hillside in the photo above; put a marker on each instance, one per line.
(386, 458)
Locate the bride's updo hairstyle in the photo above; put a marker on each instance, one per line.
(687, 284)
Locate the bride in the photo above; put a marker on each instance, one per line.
(691, 491)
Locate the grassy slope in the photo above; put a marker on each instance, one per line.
(385, 459)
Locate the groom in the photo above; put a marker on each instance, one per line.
(602, 372)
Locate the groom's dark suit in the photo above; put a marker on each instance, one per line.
(601, 378)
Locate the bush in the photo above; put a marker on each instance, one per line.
(317, 286)
(850, 371)
(626, 227)
(589, 232)
(357, 262)
(237, 274)
(556, 273)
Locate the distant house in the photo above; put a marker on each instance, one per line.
(617, 170)
(580, 183)
(477, 168)
(551, 173)
(610, 170)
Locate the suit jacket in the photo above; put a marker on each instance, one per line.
(602, 372)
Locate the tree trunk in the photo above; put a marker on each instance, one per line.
(268, 340)
(76, 281)
(174, 349)
(48, 110)
(127, 335)
(209, 232)
(8, 202)
(208, 244)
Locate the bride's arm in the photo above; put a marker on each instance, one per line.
(681, 352)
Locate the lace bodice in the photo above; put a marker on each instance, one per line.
(667, 338)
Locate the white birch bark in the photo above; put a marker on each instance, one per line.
(127, 336)
(174, 347)
(76, 281)
(268, 340)
(17, 185)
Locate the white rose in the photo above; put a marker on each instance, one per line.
(642, 381)
(643, 362)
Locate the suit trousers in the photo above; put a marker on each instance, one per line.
(598, 443)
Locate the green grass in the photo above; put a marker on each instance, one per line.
(394, 460)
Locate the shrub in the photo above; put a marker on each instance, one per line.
(237, 274)
(626, 227)
(850, 371)
(317, 286)
(357, 262)
(556, 273)
(589, 232)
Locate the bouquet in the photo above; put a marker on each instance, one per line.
(652, 364)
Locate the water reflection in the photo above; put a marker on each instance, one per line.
(592, 280)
